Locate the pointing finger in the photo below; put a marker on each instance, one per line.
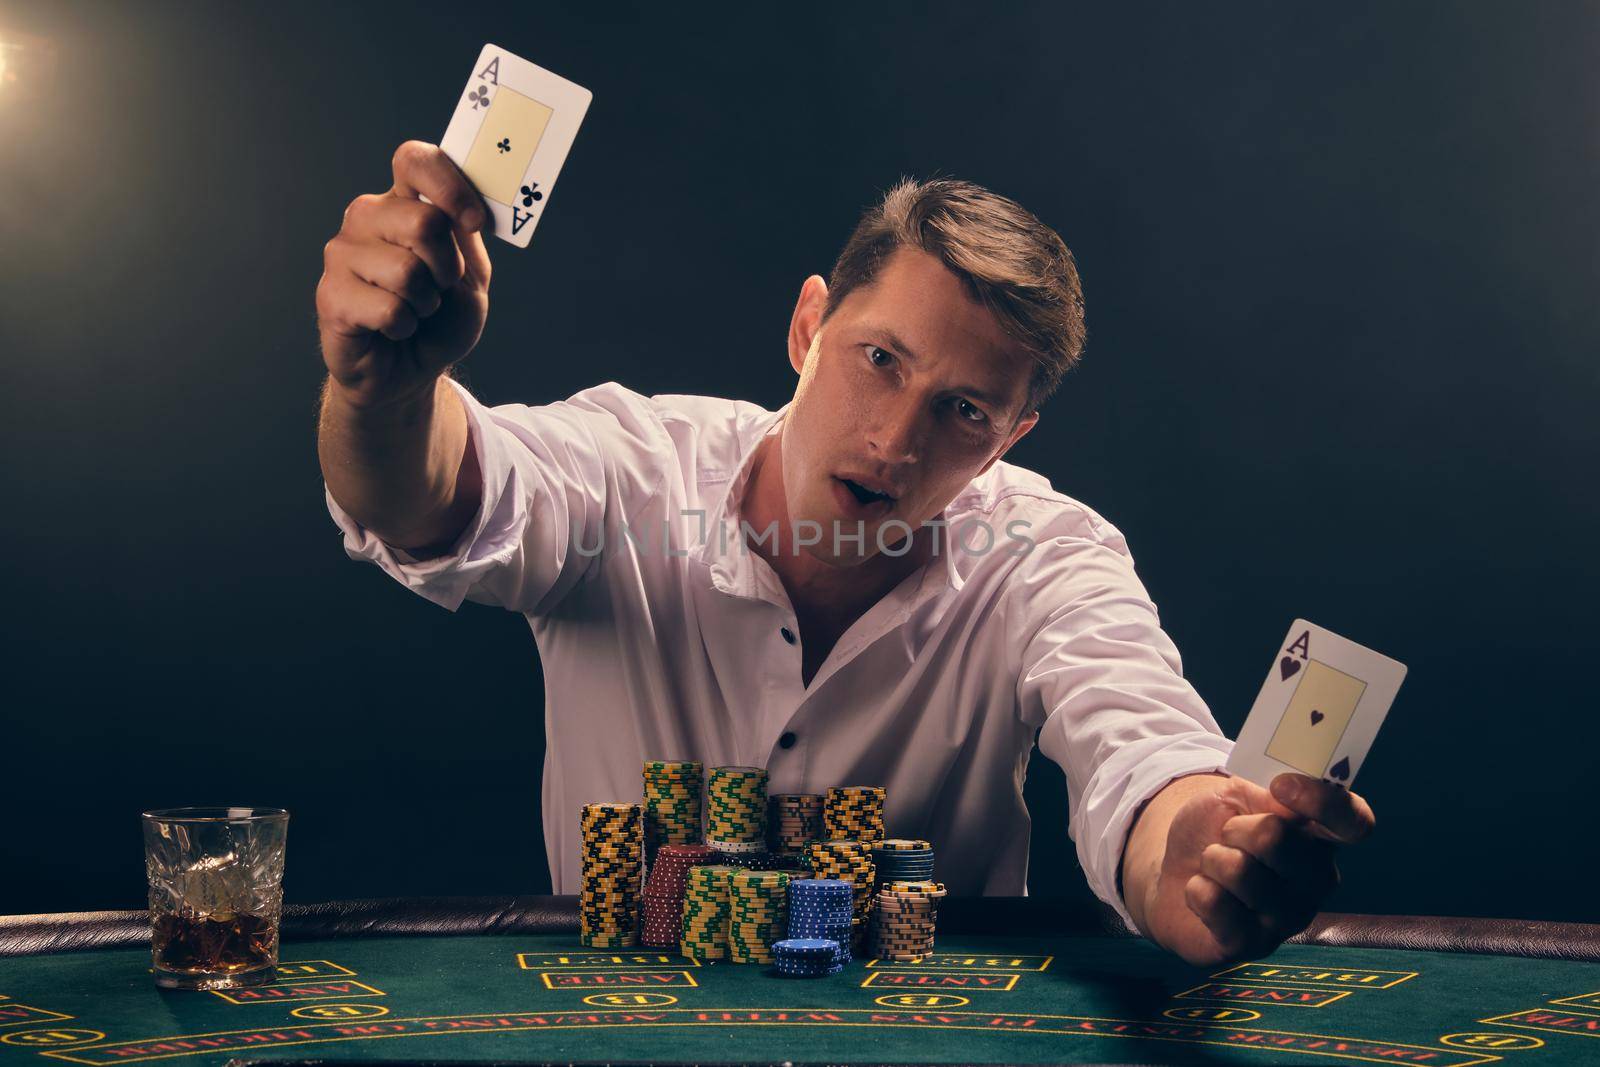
(422, 169)
(1285, 848)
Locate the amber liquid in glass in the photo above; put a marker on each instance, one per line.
(218, 944)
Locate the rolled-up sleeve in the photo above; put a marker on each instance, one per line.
(549, 475)
(1104, 684)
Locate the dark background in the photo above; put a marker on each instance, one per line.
(1340, 264)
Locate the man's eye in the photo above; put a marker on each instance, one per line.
(970, 413)
(871, 349)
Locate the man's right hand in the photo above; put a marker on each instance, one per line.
(404, 292)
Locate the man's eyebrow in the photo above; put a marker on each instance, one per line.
(901, 348)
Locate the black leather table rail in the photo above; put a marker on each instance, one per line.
(27, 935)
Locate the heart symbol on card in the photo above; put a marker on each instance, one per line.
(1316, 716)
(1340, 770)
(1288, 665)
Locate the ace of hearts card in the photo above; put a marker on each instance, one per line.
(1319, 710)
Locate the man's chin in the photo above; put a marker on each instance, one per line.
(852, 542)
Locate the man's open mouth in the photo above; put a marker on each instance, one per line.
(862, 493)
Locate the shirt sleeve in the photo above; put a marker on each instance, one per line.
(550, 473)
(1104, 685)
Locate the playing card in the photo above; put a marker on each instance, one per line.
(1319, 709)
(510, 134)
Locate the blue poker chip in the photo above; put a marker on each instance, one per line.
(807, 972)
(821, 901)
(812, 888)
(804, 944)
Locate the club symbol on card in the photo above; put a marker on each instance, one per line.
(530, 193)
(1287, 666)
(479, 97)
(1340, 771)
(504, 145)
(1316, 716)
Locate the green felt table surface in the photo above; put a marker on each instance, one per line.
(980, 999)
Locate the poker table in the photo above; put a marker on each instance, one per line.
(1026, 980)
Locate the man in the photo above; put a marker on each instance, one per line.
(797, 607)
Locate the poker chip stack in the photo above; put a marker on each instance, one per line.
(808, 957)
(759, 904)
(664, 892)
(706, 911)
(736, 809)
(820, 909)
(793, 819)
(613, 873)
(671, 804)
(900, 859)
(854, 812)
(904, 919)
(850, 862)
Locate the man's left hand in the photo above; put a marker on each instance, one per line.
(1245, 868)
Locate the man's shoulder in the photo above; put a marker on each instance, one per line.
(712, 430)
(704, 426)
(1008, 493)
(713, 413)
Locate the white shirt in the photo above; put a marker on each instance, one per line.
(673, 645)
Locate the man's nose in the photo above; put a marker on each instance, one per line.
(896, 434)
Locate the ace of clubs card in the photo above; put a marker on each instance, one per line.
(1319, 709)
(510, 133)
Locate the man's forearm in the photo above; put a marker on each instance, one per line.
(1147, 842)
(406, 471)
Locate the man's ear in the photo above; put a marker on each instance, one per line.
(807, 320)
(1017, 434)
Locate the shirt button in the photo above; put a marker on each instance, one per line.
(787, 635)
(786, 741)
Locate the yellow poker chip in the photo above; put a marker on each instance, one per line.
(613, 877)
(619, 808)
